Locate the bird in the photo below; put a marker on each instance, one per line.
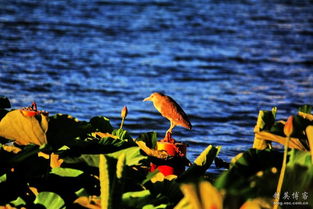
(169, 109)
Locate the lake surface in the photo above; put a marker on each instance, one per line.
(222, 61)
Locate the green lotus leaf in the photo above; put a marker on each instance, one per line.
(266, 119)
(81, 192)
(122, 134)
(137, 199)
(49, 200)
(3, 178)
(299, 175)
(248, 175)
(150, 175)
(150, 206)
(18, 202)
(297, 157)
(4, 102)
(101, 124)
(64, 129)
(66, 172)
(201, 164)
(206, 157)
(132, 154)
(149, 138)
(91, 160)
(164, 192)
(306, 108)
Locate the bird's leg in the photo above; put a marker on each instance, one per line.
(168, 135)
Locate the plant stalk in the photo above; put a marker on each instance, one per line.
(122, 123)
(282, 174)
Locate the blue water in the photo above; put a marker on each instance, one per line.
(222, 61)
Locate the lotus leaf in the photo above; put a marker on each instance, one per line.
(66, 172)
(50, 200)
(4, 102)
(23, 129)
(132, 155)
(137, 199)
(101, 124)
(201, 195)
(201, 164)
(150, 139)
(244, 179)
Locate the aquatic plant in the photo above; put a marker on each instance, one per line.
(89, 164)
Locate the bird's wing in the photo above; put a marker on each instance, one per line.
(172, 111)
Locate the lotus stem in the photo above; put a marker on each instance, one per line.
(122, 123)
(282, 174)
(288, 129)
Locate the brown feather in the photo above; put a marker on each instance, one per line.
(169, 109)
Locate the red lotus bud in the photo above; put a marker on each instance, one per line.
(288, 129)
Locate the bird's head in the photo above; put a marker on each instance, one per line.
(153, 96)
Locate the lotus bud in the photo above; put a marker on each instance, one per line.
(288, 129)
(123, 115)
(124, 112)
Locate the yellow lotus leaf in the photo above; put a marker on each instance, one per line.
(306, 115)
(24, 129)
(55, 161)
(104, 181)
(200, 196)
(88, 202)
(34, 190)
(160, 177)
(191, 195)
(44, 155)
(103, 135)
(293, 142)
(11, 148)
(211, 198)
(258, 203)
(161, 154)
(237, 157)
(8, 206)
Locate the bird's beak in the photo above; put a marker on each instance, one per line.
(147, 99)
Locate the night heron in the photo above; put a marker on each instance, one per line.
(170, 110)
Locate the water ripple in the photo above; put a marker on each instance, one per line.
(221, 61)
